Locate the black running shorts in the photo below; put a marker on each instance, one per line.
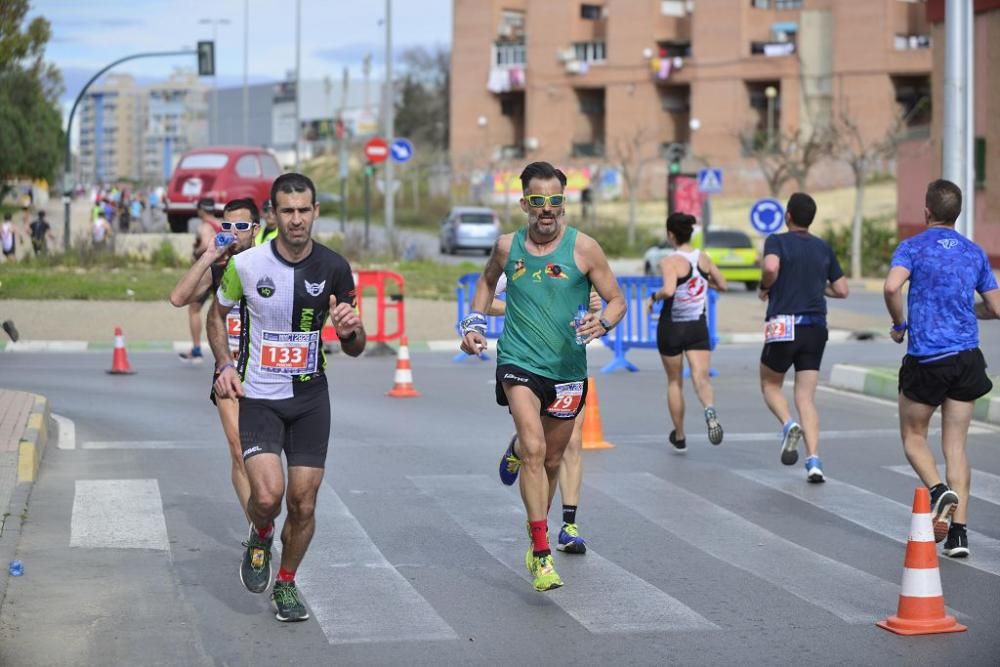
(560, 399)
(672, 338)
(805, 352)
(960, 377)
(298, 426)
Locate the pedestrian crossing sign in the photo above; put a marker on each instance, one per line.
(710, 181)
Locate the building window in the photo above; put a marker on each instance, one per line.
(590, 52)
(908, 42)
(590, 12)
(788, 4)
(980, 161)
(511, 26)
(508, 55)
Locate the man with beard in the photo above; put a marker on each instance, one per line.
(541, 369)
(287, 287)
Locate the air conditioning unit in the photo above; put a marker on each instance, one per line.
(565, 55)
(574, 67)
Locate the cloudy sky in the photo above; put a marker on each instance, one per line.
(335, 34)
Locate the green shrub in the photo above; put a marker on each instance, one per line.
(165, 256)
(878, 242)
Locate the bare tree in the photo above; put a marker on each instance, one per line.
(631, 152)
(789, 157)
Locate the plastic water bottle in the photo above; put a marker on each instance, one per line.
(222, 239)
(16, 568)
(578, 321)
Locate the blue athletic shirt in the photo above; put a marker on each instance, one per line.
(945, 268)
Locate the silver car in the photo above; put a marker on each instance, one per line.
(469, 228)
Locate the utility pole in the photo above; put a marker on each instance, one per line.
(390, 112)
(957, 135)
(298, 77)
(342, 160)
(246, 59)
(214, 133)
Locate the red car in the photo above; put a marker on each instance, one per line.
(222, 173)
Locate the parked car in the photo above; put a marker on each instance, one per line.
(469, 228)
(222, 173)
(731, 250)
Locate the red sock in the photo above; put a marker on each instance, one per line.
(539, 535)
(285, 575)
(264, 533)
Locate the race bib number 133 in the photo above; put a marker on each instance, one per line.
(289, 353)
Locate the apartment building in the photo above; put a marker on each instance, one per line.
(586, 84)
(176, 119)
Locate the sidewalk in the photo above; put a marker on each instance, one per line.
(882, 382)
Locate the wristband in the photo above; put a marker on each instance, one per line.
(899, 327)
(476, 321)
(228, 364)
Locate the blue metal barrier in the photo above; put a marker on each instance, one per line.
(464, 292)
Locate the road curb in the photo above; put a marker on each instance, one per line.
(883, 383)
(33, 441)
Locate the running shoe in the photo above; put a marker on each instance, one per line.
(680, 445)
(510, 464)
(790, 436)
(542, 571)
(570, 540)
(943, 505)
(255, 570)
(287, 605)
(814, 470)
(8, 326)
(714, 427)
(192, 357)
(957, 544)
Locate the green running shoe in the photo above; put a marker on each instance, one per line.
(542, 571)
(255, 570)
(287, 605)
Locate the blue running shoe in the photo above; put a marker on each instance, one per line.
(814, 470)
(570, 540)
(790, 436)
(510, 465)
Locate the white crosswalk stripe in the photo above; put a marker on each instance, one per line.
(354, 593)
(118, 514)
(985, 486)
(870, 510)
(851, 594)
(599, 594)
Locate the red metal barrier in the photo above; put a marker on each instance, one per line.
(381, 282)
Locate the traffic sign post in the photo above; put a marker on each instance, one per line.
(767, 215)
(401, 150)
(376, 150)
(710, 181)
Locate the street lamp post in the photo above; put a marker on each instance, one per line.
(390, 120)
(770, 93)
(298, 77)
(246, 90)
(215, 23)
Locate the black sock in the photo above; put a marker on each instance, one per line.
(569, 513)
(956, 527)
(539, 554)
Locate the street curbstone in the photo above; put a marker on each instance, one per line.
(32, 445)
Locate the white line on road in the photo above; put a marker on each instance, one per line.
(769, 436)
(147, 444)
(850, 594)
(985, 486)
(599, 594)
(67, 431)
(869, 510)
(118, 514)
(356, 595)
(979, 426)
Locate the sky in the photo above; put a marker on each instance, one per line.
(87, 36)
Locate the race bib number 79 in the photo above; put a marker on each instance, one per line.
(289, 353)
(567, 402)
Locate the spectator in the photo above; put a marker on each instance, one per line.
(41, 234)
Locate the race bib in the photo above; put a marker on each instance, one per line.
(780, 329)
(289, 353)
(234, 327)
(567, 403)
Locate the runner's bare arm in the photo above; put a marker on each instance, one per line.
(715, 278)
(591, 258)
(195, 282)
(228, 384)
(474, 342)
(893, 293)
(497, 307)
(769, 271)
(989, 307)
(669, 279)
(838, 289)
(350, 330)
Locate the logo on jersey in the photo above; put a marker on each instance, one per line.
(314, 289)
(519, 269)
(265, 287)
(555, 271)
(948, 244)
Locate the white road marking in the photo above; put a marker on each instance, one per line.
(878, 514)
(67, 431)
(850, 594)
(118, 514)
(356, 595)
(47, 346)
(985, 486)
(599, 594)
(148, 444)
(978, 427)
(775, 435)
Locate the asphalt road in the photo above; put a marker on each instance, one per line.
(720, 556)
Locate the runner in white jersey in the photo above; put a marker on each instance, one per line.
(289, 286)
(8, 238)
(683, 326)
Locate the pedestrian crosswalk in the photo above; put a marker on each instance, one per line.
(358, 595)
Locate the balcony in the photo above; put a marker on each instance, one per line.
(911, 42)
(772, 49)
(507, 65)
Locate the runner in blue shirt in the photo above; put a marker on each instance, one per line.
(943, 365)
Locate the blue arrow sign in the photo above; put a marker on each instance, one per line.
(767, 215)
(401, 150)
(710, 181)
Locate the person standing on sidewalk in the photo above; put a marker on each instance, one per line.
(943, 365)
(541, 355)
(682, 330)
(800, 271)
(289, 287)
(204, 238)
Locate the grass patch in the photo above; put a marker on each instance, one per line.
(134, 283)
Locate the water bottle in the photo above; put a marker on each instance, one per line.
(222, 239)
(578, 321)
(16, 568)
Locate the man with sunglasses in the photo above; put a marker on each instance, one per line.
(541, 368)
(239, 219)
(204, 239)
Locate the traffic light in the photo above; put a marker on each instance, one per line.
(674, 154)
(206, 58)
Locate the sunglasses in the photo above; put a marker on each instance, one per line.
(240, 226)
(538, 201)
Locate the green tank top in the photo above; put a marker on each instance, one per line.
(543, 295)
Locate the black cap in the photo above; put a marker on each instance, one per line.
(207, 204)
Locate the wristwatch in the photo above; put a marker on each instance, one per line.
(607, 325)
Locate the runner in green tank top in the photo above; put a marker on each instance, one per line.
(541, 368)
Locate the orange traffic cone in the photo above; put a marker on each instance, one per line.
(119, 362)
(403, 385)
(593, 433)
(921, 602)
